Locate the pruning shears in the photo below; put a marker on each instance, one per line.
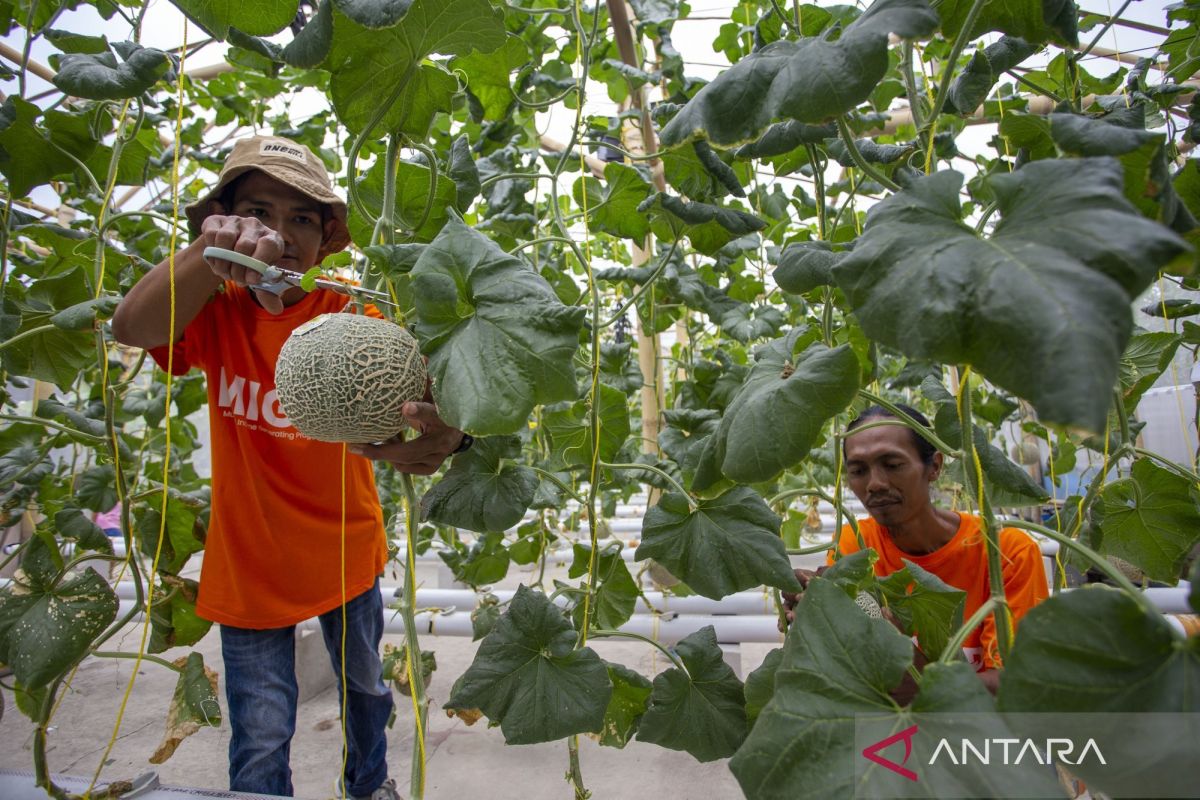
(277, 280)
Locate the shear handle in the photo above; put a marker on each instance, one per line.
(272, 278)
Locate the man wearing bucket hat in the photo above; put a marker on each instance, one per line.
(273, 553)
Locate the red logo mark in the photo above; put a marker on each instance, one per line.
(872, 753)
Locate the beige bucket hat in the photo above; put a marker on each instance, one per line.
(286, 161)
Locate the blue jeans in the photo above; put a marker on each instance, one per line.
(260, 686)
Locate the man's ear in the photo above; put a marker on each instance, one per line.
(935, 467)
(327, 230)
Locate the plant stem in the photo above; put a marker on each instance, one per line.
(805, 551)
(361, 139)
(925, 433)
(960, 42)
(162, 662)
(1021, 79)
(910, 85)
(645, 287)
(47, 423)
(954, 646)
(550, 476)
(575, 776)
(630, 635)
(535, 242)
(27, 334)
(1100, 34)
(860, 162)
(1178, 469)
(408, 613)
(973, 470)
(651, 468)
(431, 157)
(794, 24)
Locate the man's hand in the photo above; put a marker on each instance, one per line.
(422, 455)
(251, 237)
(790, 599)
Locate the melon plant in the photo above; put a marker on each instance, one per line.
(771, 246)
(346, 377)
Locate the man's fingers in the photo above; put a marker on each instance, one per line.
(268, 248)
(421, 415)
(271, 302)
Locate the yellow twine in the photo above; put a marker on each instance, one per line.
(167, 417)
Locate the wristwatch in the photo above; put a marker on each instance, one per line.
(464, 445)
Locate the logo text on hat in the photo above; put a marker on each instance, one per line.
(281, 149)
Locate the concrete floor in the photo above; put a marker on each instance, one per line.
(462, 761)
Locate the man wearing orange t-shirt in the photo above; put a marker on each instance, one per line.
(273, 556)
(890, 469)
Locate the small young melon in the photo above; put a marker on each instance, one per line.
(346, 377)
(869, 605)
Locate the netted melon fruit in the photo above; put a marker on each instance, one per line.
(869, 605)
(1134, 574)
(346, 377)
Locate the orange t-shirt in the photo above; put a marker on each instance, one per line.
(962, 563)
(273, 555)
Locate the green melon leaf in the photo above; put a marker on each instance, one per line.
(71, 523)
(1053, 283)
(720, 547)
(1148, 356)
(746, 323)
(528, 676)
(972, 86)
(570, 429)
(44, 632)
(95, 488)
(1150, 519)
(260, 18)
(499, 340)
(482, 491)
(613, 206)
(631, 694)
(174, 622)
(71, 42)
(808, 80)
(83, 316)
(99, 77)
(784, 137)
(489, 75)
(374, 13)
(701, 711)
(854, 572)
(462, 170)
(1035, 21)
(182, 536)
(1095, 650)
(926, 605)
(779, 411)
(484, 563)
(836, 663)
(311, 45)
(804, 266)
(618, 369)
(684, 435)
(760, 685)
(27, 158)
(709, 227)
(377, 68)
(616, 594)
(412, 192)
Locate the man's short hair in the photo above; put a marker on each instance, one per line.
(924, 449)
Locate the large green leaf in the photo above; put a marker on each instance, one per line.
(412, 193)
(837, 663)
(43, 632)
(808, 80)
(971, 87)
(182, 535)
(482, 490)
(926, 605)
(1148, 355)
(616, 594)
(27, 157)
(571, 429)
(1096, 650)
(613, 206)
(174, 621)
(1035, 21)
(682, 439)
(804, 266)
(260, 18)
(709, 227)
(1041, 305)
(631, 694)
(780, 410)
(618, 369)
(529, 677)
(374, 13)
(461, 168)
(1150, 519)
(488, 76)
(719, 547)
(498, 338)
(760, 684)
(312, 43)
(701, 711)
(100, 77)
(485, 562)
(375, 70)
